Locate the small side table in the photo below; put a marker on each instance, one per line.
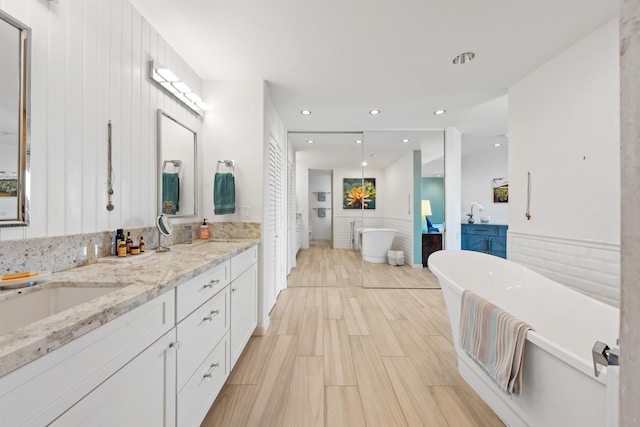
(431, 242)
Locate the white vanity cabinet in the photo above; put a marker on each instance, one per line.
(161, 364)
(142, 393)
(67, 378)
(244, 300)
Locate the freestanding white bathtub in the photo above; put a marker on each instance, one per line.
(375, 243)
(559, 387)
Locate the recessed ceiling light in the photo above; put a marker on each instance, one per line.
(305, 112)
(310, 141)
(439, 112)
(497, 144)
(374, 112)
(358, 141)
(463, 58)
(405, 140)
(364, 163)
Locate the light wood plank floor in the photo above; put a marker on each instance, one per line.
(319, 265)
(350, 356)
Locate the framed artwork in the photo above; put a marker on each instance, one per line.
(8, 184)
(356, 195)
(500, 190)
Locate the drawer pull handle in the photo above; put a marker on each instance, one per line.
(211, 315)
(211, 283)
(209, 374)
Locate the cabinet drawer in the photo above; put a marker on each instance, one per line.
(484, 230)
(241, 262)
(199, 332)
(192, 294)
(197, 396)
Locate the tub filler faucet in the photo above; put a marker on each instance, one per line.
(604, 356)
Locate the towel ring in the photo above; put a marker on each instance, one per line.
(226, 163)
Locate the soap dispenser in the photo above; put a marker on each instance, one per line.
(204, 230)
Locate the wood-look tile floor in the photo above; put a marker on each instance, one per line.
(350, 356)
(319, 265)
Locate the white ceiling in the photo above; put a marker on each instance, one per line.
(340, 59)
(380, 149)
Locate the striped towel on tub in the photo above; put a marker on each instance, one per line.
(494, 339)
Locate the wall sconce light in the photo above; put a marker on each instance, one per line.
(171, 83)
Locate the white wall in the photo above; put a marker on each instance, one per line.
(320, 181)
(452, 187)
(239, 127)
(302, 200)
(233, 130)
(478, 171)
(398, 204)
(564, 129)
(89, 65)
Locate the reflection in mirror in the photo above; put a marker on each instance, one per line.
(397, 225)
(375, 184)
(177, 165)
(329, 208)
(433, 184)
(14, 122)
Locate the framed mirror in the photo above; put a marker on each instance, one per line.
(177, 166)
(15, 39)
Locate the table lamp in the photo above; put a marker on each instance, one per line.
(426, 210)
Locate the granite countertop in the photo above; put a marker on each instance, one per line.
(139, 280)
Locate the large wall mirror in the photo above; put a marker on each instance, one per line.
(328, 207)
(398, 162)
(350, 183)
(14, 121)
(177, 164)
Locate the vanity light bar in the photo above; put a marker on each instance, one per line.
(167, 74)
(170, 82)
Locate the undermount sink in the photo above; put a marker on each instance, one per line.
(32, 304)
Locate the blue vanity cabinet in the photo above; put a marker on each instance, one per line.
(487, 238)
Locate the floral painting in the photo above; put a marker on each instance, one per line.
(500, 190)
(356, 195)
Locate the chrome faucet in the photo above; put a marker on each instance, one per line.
(604, 356)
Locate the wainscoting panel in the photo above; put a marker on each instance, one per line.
(90, 65)
(592, 268)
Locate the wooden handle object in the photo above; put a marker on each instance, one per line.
(19, 275)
